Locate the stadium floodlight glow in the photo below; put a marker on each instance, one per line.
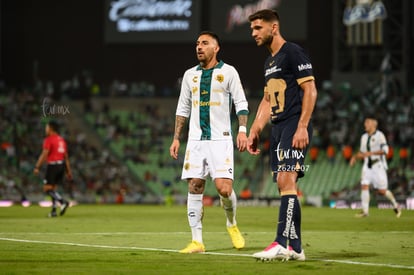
(6, 203)
(45, 203)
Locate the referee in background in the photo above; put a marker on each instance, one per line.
(55, 153)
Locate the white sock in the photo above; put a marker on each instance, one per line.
(365, 201)
(195, 215)
(230, 206)
(391, 197)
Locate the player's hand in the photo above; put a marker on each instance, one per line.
(352, 161)
(69, 176)
(36, 171)
(175, 146)
(252, 143)
(300, 138)
(241, 141)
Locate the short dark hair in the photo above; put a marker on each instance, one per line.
(211, 34)
(54, 125)
(266, 15)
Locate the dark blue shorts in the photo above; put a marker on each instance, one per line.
(284, 158)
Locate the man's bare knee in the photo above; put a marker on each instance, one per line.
(196, 186)
(286, 182)
(224, 187)
(48, 187)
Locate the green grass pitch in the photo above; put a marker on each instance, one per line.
(137, 239)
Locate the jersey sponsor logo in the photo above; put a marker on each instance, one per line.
(306, 66)
(209, 103)
(220, 78)
(272, 70)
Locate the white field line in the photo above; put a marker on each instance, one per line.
(206, 253)
(183, 233)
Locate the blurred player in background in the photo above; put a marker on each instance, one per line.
(207, 93)
(373, 150)
(288, 102)
(55, 153)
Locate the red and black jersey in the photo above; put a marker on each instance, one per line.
(284, 73)
(56, 146)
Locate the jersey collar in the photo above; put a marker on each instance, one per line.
(218, 66)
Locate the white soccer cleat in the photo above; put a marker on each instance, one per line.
(272, 252)
(296, 256)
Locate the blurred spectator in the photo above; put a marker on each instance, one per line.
(347, 152)
(330, 153)
(313, 154)
(403, 157)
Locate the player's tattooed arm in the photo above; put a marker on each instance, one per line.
(242, 120)
(179, 125)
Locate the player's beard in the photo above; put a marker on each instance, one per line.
(202, 62)
(267, 41)
(202, 59)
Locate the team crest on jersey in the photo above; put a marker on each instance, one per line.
(220, 78)
(195, 79)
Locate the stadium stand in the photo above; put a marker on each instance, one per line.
(119, 147)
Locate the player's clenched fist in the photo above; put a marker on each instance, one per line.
(252, 143)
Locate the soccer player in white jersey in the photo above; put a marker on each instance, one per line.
(208, 91)
(373, 150)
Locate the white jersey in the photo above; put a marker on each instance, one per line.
(375, 142)
(206, 97)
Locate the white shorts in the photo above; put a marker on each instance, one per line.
(208, 157)
(377, 176)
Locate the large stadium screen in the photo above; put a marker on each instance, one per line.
(229, 18)
(151, 21)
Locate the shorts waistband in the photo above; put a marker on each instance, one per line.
(55, 162)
